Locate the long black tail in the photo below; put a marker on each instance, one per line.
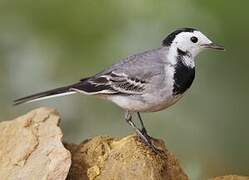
(62, 91)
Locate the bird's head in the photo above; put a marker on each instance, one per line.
(189, 40)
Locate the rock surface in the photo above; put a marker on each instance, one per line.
(31, 147)
(106, 158)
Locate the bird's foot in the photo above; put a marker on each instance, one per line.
(146, 140)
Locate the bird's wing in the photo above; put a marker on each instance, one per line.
(130, 76)
(111, 83)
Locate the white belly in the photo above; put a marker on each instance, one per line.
(146, 104)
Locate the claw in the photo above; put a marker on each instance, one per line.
(146, 140)
(142, 134)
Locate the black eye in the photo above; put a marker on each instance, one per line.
(194, 39)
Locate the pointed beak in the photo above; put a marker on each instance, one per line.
(213, 46)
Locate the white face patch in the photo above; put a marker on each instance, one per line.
(183, 42)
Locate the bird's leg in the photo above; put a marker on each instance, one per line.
(128, 118)
(145, 138)
(143, 130)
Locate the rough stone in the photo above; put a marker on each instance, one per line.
(31, 147)
(106, 158)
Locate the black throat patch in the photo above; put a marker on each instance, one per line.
(184, 75)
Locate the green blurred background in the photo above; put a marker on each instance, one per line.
(46, 44)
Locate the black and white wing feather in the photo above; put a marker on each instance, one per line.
(111, 83)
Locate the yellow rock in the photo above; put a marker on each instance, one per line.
(106, 158)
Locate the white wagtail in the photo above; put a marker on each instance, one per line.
(145, 82)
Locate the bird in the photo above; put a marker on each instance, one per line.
(149, 81)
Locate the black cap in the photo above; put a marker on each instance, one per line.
(170, 38)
